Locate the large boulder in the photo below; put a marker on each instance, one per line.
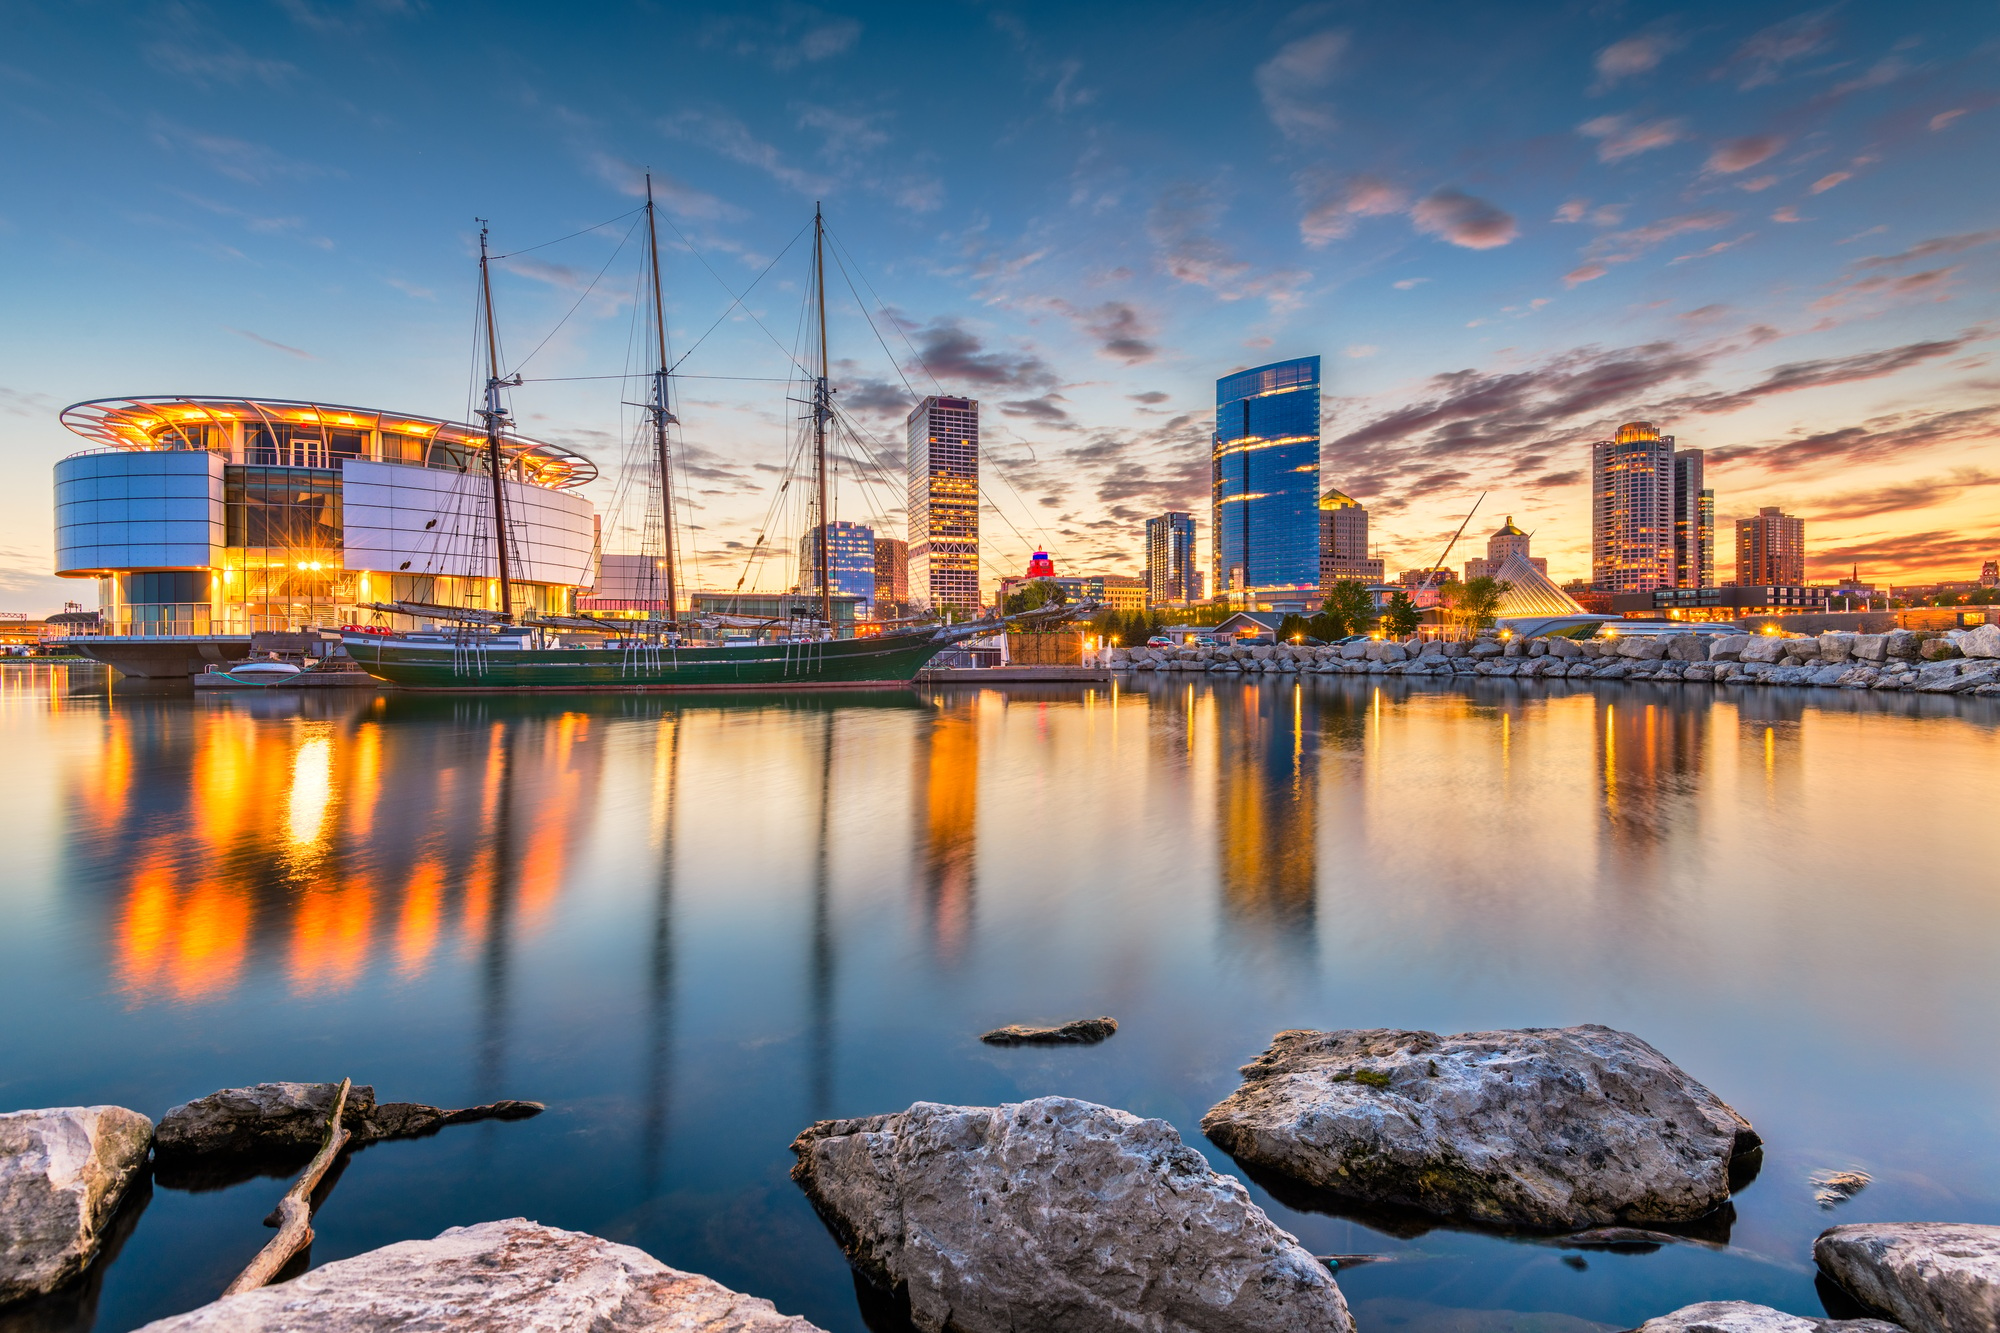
(1555, 1128)
(1763, 648)
(1930, 1277)
(496, 1277)
(1743, 1317)
(1901, 643)
(1980, 641)
(62, 1175)
(1728, 647)
(1058, 1214)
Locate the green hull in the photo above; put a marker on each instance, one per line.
(885, 662)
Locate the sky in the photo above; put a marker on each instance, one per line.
(1773, 230)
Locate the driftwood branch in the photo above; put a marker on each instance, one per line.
(295, 1209)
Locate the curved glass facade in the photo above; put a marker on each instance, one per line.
(1265, 477)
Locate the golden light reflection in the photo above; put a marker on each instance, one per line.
(948, 819)
(423, 909)
(330, 937)
(184, 943)
(312, 790)
(1268, 790)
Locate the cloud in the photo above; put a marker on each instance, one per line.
(1622, 247)
(238, 159)
(1150, 397)
(1122, 333)
(1634, 56)
(1583, 273)
(1913, 284)
(1734, 155)
(792, 36)
(1941, 245)
(732, 138)
(1874, 441)
(1796, 375)
(677, 197)
(1405, 284)
(1361, 351)
(1464, 220)
(1715, 249)
(1042, 410)
(1763, 58)
(1786, 214)
(1619, 138)
(1293, 82)
(1828, 181)
(185, 45)
(1182, 225)
(1943, 119)
(847, 135)
(1898, 498)
(876, 398)
(1333, 204)
(957, 356)
(262, 341)
(1757, 184)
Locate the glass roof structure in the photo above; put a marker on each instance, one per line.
(1533, 593)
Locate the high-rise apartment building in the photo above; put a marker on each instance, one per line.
(892, 572)
(851, 565)
(1343, 543)
(1694, 523)
(1264, 466)
(1632, 510)
(1506, 542)
(944, 503)
(1170, 569)
(1770, 549)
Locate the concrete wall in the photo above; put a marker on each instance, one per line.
(385, 508)
(130, 509)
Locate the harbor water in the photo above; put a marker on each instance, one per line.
(693, 925)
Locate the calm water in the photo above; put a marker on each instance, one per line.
(693, 926)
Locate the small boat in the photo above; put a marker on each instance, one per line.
(259, 671)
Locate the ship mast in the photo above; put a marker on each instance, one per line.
(495, 417)
(662, 418)
(822, 410)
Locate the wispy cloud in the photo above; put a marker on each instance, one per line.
(186, 44)
(1333, 203)
(1632, 57)
(1734, 155)
(1182, 224)
(1294, 84)
(1765, 57)
(676, 196)
(1464, 220)
(275, 346)
(785, 38)
(1931, 249)
(239, 159)
(1619, 137)
(733, 139)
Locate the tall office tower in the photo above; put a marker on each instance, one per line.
(1506, 542)
(1770, 549)
(1632, 510)
(944, 503)
(851, 568)
(1170, 572)
(892, 572)
(1343, 543)
(1694, 523)
(1265, 481)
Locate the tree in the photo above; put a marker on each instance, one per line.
(1476, 602)
(1042, 592)
(1349, 609)
(1293, 626)
(1402, 616)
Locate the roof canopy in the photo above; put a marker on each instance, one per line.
(1532, 592)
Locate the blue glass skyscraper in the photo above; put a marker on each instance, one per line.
(1265, 473)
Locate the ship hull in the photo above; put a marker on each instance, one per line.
(889, 661)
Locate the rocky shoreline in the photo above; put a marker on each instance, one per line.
(1954, 662)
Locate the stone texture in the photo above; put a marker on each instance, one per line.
(1938, 650)
(1056, 1214)
(1728, 647)
(1871, 647)
(62, 1175)
(1555, 1128)
(1076, 1032)
(1900, 643)
(1979, 641)
(1762, 648)
(1832, 1188)
(1930, 1277)
(1743, 1317)
(515, 1276)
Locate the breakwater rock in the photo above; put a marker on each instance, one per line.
(1930, 1277)
(1076, 1032)
(1955, 662)
(1743, 1317)
(1553, 1128)
(1056, 1213)
(62, 1175)
(496, 1277)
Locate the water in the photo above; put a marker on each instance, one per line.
(692, 926)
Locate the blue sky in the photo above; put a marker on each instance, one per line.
(1773, 229)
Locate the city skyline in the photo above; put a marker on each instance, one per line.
(1504, 235)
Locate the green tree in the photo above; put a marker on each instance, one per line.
(1402, 616)
(1349, 609)
(1292, 627)
(1476, 602)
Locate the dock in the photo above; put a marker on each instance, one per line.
(1011, 675)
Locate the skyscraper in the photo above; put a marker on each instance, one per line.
(1694, 523)
(1770, 549)
(1265, 481)
(1170, 571)
(1506, 542)
(944, 503)
(1632, 510)
(892, 572)
(1343, 543)
(851, 568)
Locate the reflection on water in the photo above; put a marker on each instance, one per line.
(692, 925)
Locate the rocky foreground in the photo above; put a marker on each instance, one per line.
(1056, 1214)
(1956, 662)
(1553, 1128)
(1930, 1277)
(63, 1173)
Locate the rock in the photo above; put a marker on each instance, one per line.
(1513, 648)
(1076, 1032)
(1828, 675)
(1728, 647)
(1743, 1317)
(1686, 648)
(1056, 1214)
(1699, 671)
(1979, 641)
(1837, 1187)
(1870, 647)
(1556, 1128)
(1615, 671)
(1484, 648)
(62, 1175)
(1763, 648)
(1836, 646)
(1930, 1277)
(1938, 650)
(496, 1277)
(1900, 643)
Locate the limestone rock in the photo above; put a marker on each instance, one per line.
(1484, 648)
(1743, 1317)
(1900, 643)
(1836, 646)
(1763, 648)
(1980, 641)
(1871, 647)
(1056, 1214)
(1728, 647)
(1831, 1188)
(1930, 1277)
(1938, 650)
(496, 1277)
(1076, 1032)
(1555, 1128)
(62, 1174)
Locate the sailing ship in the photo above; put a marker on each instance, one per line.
(484, 650)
